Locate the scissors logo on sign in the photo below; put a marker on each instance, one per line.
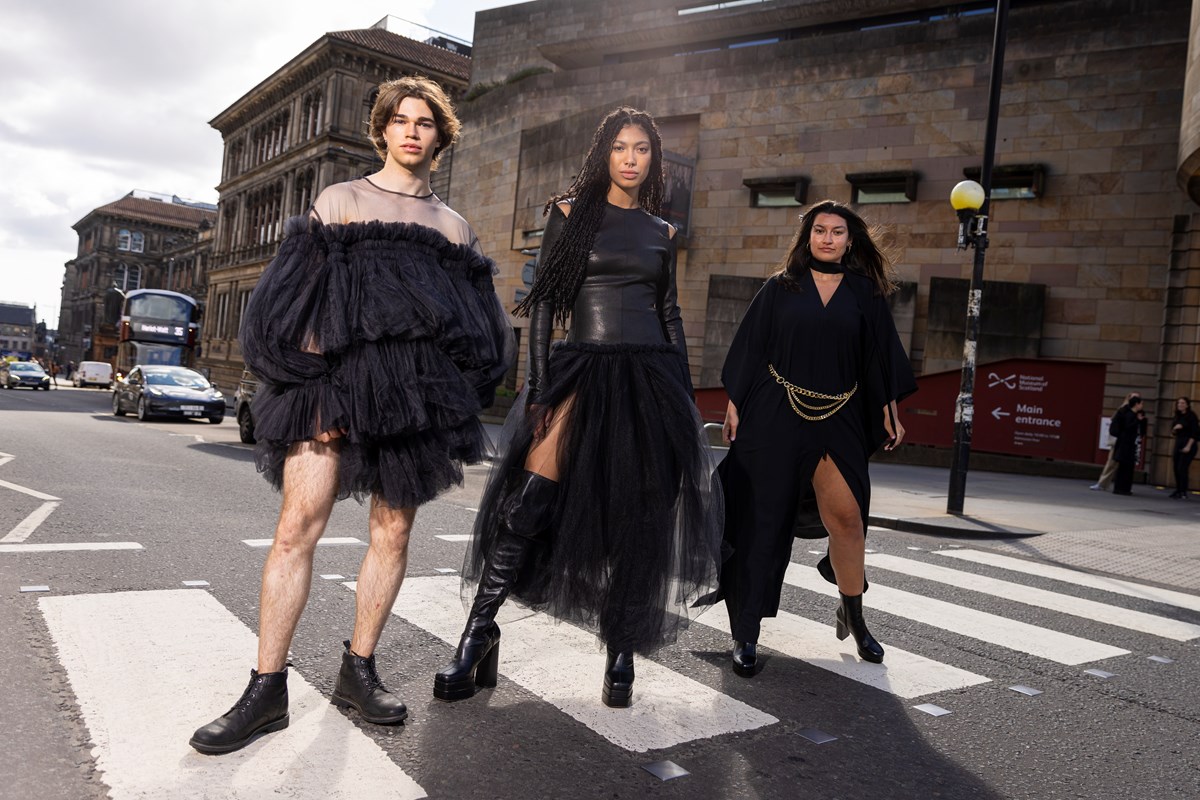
(1010, 382)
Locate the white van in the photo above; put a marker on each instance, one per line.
(93, 373)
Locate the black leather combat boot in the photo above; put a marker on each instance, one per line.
(262, 709)
(359, 687)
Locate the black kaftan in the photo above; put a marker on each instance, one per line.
(850, 342)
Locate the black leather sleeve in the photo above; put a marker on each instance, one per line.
(541, 327)
(668, 310)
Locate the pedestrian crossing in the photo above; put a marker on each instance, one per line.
(197, 669)
(144, 682)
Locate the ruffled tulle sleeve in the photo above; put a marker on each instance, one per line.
(292, 319)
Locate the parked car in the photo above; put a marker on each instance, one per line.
(93, 373)
(242, 400)
(159, 391)
(14, 374)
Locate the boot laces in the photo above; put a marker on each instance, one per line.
(247, 699)
(371, 679)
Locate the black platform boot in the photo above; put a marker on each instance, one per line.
(850, 621)
(745, 658)
(618, 680)
(359, 687)
(262, 709)
(524, 514)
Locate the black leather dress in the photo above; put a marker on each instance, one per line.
(637, 530)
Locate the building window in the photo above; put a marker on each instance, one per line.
(127, 278)
(123, 239)
(883, 187)
(777, 192)
(1013, 181)
(310, 115)
(137, 242)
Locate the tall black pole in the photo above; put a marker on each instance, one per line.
(964, 409)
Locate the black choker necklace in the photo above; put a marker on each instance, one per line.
(826, 267)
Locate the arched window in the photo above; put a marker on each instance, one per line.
(123, 239)
(127, 278)
(138, 242)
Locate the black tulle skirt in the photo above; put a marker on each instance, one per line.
(637, 532)
(388, 332)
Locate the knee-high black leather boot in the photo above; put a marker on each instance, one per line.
(850, 621)
(525, 513)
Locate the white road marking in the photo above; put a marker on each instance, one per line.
(66, 547)
(668, 708)
(141, 711)
(30, 524)
(35, 588)
(453, 537)
(903, 674)
(195, 583)
(1115, 585)
(1023, 637)
(1041, 598)
(28, 491)
(5, 458)
(320, 542)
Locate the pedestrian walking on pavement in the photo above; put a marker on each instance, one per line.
(1128, 427)
(52, 369)
(1104, 482)
(1186, 428)
(377, 337)
(814, 375)
(70, 370)
(601, 507)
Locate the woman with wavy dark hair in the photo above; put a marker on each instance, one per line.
(600, 509)
(813, 376)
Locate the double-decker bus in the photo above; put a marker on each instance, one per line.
(157, 327)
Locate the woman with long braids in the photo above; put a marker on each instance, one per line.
(813, 376)
(601, 508)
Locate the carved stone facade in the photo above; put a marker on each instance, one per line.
(303, 128)
(133, 243)
(884, 101)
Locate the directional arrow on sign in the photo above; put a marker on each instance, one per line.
(997, 413)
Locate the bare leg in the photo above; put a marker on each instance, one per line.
(842, 517)
(543, 454)
(381, 573)
(310, 482)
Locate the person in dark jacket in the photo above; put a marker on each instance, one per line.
(1186, 428)
(601, 508)
(814, 375)
(377, 336)
(1128, 426)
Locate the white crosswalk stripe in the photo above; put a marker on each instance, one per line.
(904, 675)
(1041, 598)
(668, 708)
(144, 682)
(1168, 597)
(1012, 634)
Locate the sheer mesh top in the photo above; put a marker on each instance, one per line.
(360, 200)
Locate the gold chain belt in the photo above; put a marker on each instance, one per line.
(797, 394)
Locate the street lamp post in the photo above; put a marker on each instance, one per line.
(970, 201)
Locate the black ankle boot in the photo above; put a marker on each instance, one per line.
(359, 687)
(745, 658)
(262, 709)
(850, 621)
(618, 680)
(524, 513)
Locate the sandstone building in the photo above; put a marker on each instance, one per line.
(144, 240)
(1095, 235)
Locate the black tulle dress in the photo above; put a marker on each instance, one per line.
(386, 329)
(767, 474)
(638, 524)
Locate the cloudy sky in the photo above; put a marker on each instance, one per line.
(99, 98)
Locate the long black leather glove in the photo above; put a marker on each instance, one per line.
(668, 312)
(541, 322)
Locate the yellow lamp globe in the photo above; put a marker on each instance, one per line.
(967, 196)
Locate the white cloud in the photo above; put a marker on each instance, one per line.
(97, 99)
